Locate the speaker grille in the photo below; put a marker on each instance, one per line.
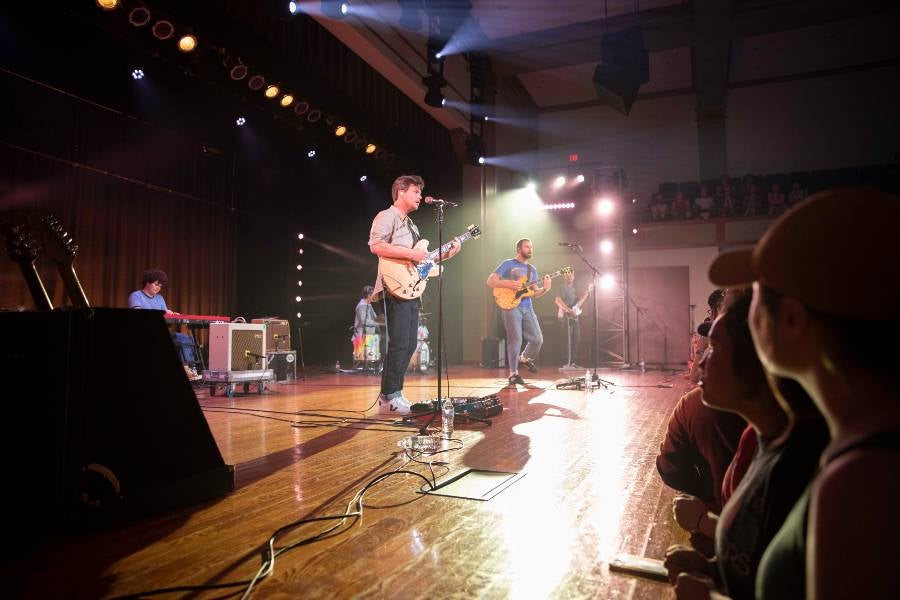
(244, 344)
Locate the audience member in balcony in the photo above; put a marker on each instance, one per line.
(751, 201)
(840, 540)
(704, 204)
(797, 194)
(681, 207)
(791, 435)
(727, 205)
(725, 184)
(777, 201)
(659, 208)
(746, 186)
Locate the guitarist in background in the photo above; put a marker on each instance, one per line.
(520, 321)
(569, 305)
(393, 235)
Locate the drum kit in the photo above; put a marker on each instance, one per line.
(367, 350)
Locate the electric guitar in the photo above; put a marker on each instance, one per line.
(577, 308)
(406, 279)
(509, 298)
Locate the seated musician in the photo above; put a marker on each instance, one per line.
(149, 297)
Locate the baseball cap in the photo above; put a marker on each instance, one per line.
(831, 252)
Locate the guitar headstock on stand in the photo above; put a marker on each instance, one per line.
(28, 235)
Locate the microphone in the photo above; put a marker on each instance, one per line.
(439, 202)
(569, 244)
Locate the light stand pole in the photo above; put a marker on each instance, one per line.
(596, 342)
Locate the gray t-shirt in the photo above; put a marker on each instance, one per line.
(392, 227)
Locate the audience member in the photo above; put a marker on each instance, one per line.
(840, 540)
(751, 201)
(681, 207)
(659, 208)
(704, 203)
(797, 194)
(776, 201)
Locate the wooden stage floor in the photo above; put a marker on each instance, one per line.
(589, 490)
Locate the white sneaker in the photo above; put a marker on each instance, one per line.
(397, 404)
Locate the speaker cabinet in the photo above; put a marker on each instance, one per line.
(625, 67)
(107, 425)
(237, 346)
(284, 364)
(278, 333)
(493, 352)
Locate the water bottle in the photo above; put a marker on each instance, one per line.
(447, 416)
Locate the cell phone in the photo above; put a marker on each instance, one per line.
(642, 566)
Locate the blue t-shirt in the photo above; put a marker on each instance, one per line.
(513, 269)
(139, 299)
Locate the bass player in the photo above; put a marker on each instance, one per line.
(393, 235)
(520, 321)
(569, 308)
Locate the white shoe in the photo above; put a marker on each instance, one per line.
(397, 404)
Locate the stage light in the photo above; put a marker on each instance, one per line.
(299, 283)
(301, 107)
(137, 74)
(340, 130)
(108, 4)
(634, 200)
(240, 121)
(139, 16)
(363, 178)
(607, 282)
(311, 154)
(559, 182)
(272, 91)
(345, 8)
(187, 43)
(299, 251)
(256, 82)
(293, 8)
(371, 148)
(335, 9)
(163, 30)
(487, 118)
(480, 160)
(558, 206)
(314, 115)
(433, 95)
(634, 230)
(606, 246)
(300, 267)
(475, 150)
(580, 178)
(299, 315)
(299, 236)
(605, 207)
(238, 71)
(298, 298)
(531, 186)
(286, 100)
(350, 137)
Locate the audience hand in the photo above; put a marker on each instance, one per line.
(681, 559)
(690, 587)
(688, 511)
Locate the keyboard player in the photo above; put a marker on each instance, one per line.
(148, 297)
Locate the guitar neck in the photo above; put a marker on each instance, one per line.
(446, 247)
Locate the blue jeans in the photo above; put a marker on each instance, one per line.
(518, 322)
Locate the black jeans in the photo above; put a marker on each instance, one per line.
(402, 331)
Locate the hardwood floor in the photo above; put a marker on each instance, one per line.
(589, 490)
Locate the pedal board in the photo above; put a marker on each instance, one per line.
(480, 407)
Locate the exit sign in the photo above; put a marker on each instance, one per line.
(573, 158)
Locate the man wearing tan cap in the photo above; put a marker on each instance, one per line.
(813, 275)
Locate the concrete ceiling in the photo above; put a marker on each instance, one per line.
(544, 52)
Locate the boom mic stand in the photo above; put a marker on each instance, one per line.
(596, 341)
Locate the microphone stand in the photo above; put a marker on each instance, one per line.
(436, 409)
(596, 342)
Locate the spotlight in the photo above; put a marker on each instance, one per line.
(606, 246)
(286, 100)
(311, 154)
(298, 299)
(580, 178)
(605, 207)
(487, 118)
(238, 71)
(314, 115)
(371, 148)
(363, 178)
(340, 130)
(139, 16)
(187, 43)
(256, 82)
(163, 30)
(433, 84)
(299, 315)
(475, 150)
(299, 283)
(108, 4)
(293, 8)
(634, 230)
(240, 121)
(480, 160)
(300, 267)
(301, 108)
(351, 137)
(137, 74)
(299, 251)
(300, 235)
(530, 186)
(335, 9)
(272, 91)
(607, 282)
(559, 182)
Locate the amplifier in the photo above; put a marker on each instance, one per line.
(278, 333)
(284, 365)
(237, 346)
(493, 352)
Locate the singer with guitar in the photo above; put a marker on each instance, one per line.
(394, 237)
(519, 320)
(569, 305)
